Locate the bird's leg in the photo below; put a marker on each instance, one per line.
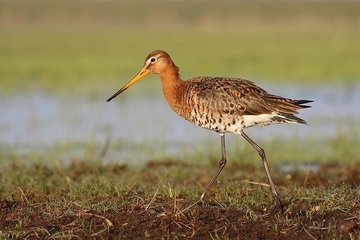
(277, 205)
(221, 166)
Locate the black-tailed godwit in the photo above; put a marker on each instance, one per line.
(221, 104)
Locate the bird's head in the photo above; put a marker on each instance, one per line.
(158, 62)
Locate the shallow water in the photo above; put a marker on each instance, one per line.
(39, 119)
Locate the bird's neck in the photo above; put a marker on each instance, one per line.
(173, 88)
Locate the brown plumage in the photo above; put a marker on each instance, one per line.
(221, 104)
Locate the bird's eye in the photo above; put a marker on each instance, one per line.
(152, 59)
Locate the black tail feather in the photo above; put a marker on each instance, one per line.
(290, 118)
(301, 102)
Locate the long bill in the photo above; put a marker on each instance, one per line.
(139, 76)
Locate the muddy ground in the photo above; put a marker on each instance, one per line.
(163, 219)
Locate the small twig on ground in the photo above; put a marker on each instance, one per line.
(23, 194)
(152, 199)
(256, 183)
(312, 237)
(109, 223)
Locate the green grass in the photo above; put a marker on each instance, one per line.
(279, 151)
(73, 47)
(48, 197)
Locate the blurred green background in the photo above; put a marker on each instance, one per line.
(60, 61)
(90, 47)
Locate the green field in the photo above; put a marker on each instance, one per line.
(82, 46)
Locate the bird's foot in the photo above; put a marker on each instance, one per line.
(276, 208)
(200, 202)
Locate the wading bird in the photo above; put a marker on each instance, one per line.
(221, 104)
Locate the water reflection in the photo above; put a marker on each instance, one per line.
(41, 119)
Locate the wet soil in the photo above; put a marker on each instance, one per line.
(301, 218)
